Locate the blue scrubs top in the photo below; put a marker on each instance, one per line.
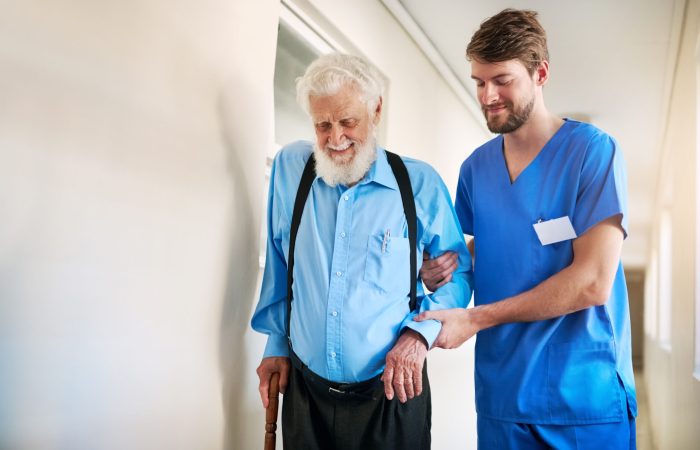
(573, 369)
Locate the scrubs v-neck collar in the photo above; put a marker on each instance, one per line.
(548, 147)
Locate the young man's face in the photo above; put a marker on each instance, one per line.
(506, 92)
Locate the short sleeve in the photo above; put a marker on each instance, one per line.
(463, 201)
(602, 191)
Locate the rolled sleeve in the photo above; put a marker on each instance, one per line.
(276, 346)
(271, 310)
(442, 233)
(429, 329)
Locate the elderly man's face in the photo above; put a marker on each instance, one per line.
(342, 123)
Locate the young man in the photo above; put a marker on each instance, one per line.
(338, 296)
(545, 202)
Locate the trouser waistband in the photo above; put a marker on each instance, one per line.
(362, 388)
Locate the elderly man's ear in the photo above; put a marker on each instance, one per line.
(377, 112)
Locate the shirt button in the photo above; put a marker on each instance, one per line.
(334, 313)
(332, 354)
(342, 235)
(339, 273)
(346, 198)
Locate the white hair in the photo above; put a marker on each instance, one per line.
(328, 74)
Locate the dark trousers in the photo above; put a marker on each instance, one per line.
(315, 417)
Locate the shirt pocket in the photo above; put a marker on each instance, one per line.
(387, 265)
(582, 382)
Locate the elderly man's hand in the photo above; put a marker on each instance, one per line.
(267, 367)
(437, 272)
(403, 374)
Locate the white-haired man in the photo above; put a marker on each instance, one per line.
(340, 287)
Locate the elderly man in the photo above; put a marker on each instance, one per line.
(340, 288)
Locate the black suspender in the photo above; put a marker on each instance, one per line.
(409, 208)
(307, 179)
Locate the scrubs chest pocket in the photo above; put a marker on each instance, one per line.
(387, 264)
(582, 382)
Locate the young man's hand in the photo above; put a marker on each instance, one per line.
(458, 326)
(437, 272)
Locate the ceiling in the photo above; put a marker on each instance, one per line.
(611, 63)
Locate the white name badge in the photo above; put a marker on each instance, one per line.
(555, 230)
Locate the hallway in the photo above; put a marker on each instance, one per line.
(136, 141)
(644, 429)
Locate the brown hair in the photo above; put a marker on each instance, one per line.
(510, 34)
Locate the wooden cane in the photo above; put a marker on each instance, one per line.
(271, 413)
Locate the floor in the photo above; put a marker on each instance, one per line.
(644, 440)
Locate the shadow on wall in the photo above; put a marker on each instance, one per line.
(242, 270)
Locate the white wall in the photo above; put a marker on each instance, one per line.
(132, 145)
(673, 392)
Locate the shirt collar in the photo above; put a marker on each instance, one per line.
(381, 172)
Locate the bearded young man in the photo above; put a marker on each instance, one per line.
(546, 204)
(339, 290)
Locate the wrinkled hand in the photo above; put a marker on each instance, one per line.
(403, 374)
(457, 326)
(268, 366)
(437, 272)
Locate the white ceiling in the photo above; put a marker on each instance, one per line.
(611, 62)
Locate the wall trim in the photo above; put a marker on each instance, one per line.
(416, 33)
(677, 28)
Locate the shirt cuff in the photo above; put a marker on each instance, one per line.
(276, 346)
(429, 329)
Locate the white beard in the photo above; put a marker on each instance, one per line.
(341, 172)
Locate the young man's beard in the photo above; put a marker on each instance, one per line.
(516, 118)
(336, 171)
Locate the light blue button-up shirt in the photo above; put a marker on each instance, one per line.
(352, 265)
